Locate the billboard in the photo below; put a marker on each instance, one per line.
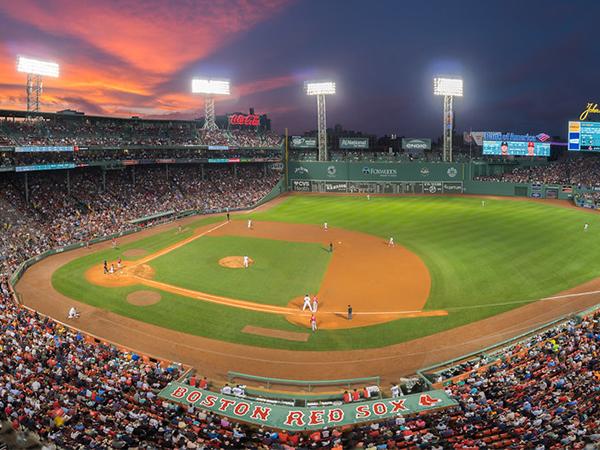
(354, 143)
(292, 418)
(516, 148)
(44, 149)
(584, 136)
(303, 142)
(246, 120)
(416, 144)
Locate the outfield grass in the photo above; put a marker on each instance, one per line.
(300, 268)
(503, 254)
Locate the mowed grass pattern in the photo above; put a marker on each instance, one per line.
(299, 268)
(483, 261)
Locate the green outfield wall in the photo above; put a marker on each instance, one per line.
(414, 178)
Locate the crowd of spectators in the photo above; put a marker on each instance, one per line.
(581, 172)
(75, 393)
(58, 216)
(61, 131)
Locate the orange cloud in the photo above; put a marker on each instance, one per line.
(127, 49)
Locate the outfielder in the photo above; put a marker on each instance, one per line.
(586, 226)
(307, 303)
(246, 262)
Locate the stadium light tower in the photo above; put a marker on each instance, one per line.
(35, 70)
(321, 89)
(209, 88)
(449, 88)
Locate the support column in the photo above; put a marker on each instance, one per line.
(322, 128)
(26, 188)
(167, 171)
(235, 171)
(265, 170)
(448, 127)
(103, 180)
(133, 175)
(69, 183)
(202, 171)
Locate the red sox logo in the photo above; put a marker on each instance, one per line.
(428, 401)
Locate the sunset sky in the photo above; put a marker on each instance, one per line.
(528, 65)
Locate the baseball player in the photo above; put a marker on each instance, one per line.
(315, 304)
(249, 224)
(586, 226)
(112, 269)
(119, 263)
(325, 226)
(368, 197)
(313, 323)
(391, 242)
(105, 267)
(482, 202)
(246, 262)
(307, 303)
(73, 313)
(114, 243)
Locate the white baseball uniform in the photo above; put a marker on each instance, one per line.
(307, 303)
(586, 226)
(391, 242)
(249, 223)
(246, 262)
(315, 304)
(325, 226)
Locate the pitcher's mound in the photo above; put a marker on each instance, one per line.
(234, 262)
(144, 298)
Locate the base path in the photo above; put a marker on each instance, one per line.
(215, 358)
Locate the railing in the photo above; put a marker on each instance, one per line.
(310, 384)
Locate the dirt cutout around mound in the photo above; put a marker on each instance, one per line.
(144, 298)
(382, 283)
(234, 262)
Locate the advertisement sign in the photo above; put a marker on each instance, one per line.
(303, 142)
(354, 143)
(56, 166)
(591, 108)
(416, 144)
(218, 147)
(283, 417)
(44, 149)
(497, 136)
(584, 136)
(301, 185)
(336, 187)
(245, 120)
(516, 148)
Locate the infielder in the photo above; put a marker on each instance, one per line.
(315, 304)
(307, 303)
(249, 224)
(391, 242)
(313, 323)
(246, 262)
(325, 226)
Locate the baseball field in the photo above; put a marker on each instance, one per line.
(455, 261)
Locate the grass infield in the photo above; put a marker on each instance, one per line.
(506, 253)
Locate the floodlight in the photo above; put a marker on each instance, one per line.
(210, 87)
(37, 67)
(448, 86)
(319, 87)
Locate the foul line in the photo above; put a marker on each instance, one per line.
(175, 246)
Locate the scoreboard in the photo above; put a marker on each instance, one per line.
(516, 148)
(584, 136)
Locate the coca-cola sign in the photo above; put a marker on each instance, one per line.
(246, 120)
